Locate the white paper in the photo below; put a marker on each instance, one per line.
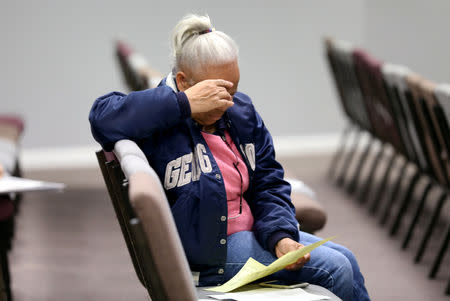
(10, 184)
(270, 294)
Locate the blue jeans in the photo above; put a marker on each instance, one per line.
(331, 266)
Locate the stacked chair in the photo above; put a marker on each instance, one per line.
(11, 128)
(407, 121)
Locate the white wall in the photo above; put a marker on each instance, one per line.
(57, 57)
(411, 32)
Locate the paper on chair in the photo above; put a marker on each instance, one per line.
(269, 294)
(10, 184)
(253, 270)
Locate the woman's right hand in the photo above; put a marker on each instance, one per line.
(209, 99)
(287, 245)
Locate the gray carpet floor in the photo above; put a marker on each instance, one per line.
(68, 246)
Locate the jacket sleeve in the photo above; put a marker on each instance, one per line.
(116, 116)
(272, 207)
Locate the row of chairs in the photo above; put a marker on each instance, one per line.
(407, 120)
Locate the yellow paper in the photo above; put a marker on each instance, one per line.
(253, 270)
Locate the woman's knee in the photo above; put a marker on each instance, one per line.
(340, 268)
(333, 272)
(348, 254)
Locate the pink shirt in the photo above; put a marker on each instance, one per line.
(225, 155)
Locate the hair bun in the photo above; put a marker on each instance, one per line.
(194, 48)
(188, 27)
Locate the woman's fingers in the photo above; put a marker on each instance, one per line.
(225, 104)
(209, 95)
(299, 263)
(224, 95)
(222, 83)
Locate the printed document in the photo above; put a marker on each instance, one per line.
(10, 184)
(253, 270)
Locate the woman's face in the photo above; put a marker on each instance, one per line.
(228, 71)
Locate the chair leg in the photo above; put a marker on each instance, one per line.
(382, 187)
(417, 215)
(5, 288)
(340, 151)
(426, 237)
(362, 159)
(447, 291)
(394, 194)
(404, 204)
(362, 197)
(440, 256)
(348, 159)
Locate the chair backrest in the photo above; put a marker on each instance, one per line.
(340, 59)
(134, 80)
(442, 167)
(381, 112)
(424, 123)
(398, 110)
(337, 74)
(136, 70)
(395, 78)
(147, 224)
(11, 128)
(442, 113)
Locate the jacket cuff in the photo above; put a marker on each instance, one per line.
(275, 238)
(184, 105)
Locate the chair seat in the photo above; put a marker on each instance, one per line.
(309, 213)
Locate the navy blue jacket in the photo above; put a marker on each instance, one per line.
(159, 121)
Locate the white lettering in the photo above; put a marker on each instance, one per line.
(185, 176)
(196, 172)
(177, 171)
(250, 153)
(172, 173)
(203, 159)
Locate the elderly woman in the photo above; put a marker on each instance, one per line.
(216, 161)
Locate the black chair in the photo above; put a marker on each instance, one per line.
(442, 115)
(397, 87)
(137, 73)
(340, 59)
(385, 128)
(143, 258)
(134, 80)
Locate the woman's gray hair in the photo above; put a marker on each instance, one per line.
(196, 44)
